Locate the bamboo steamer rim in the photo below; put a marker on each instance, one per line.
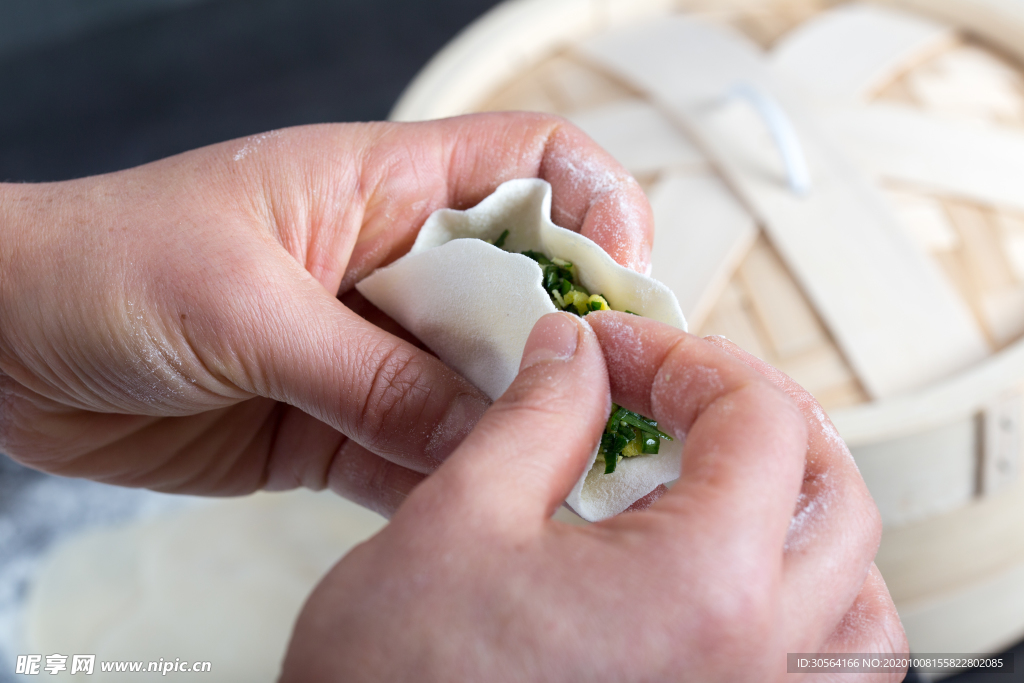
(516, 34)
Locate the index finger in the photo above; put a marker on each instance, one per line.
(413, 169)
(591, 192)
(836, 518)
(745, 439)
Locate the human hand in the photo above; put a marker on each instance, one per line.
(764, 546)
(177, 325)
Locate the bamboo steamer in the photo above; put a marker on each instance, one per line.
(940, 455)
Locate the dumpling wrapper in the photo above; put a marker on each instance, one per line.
(474, 305)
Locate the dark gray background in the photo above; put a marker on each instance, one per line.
(94, 86)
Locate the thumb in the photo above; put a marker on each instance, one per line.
(300, 345)
(531, 446)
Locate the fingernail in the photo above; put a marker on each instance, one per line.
(462, 415)
(554, 337)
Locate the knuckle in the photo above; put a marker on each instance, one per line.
(737, 614)
(397, 392)
(891, 636)
(886, 636)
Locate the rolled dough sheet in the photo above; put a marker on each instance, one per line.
(222, 583)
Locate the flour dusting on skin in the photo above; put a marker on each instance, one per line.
(594, 179)
(828, 429)
(812, 507)
(858, 622)
(682, 394)
(630, 216)
(703, 374)
(585, 174)
(253, 142)
(870, 619)
(625, 347)
(831, 435)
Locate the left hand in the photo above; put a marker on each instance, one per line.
(177, 325)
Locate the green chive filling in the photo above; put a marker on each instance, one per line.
(562, 284)
(627, 434)
(500, 242)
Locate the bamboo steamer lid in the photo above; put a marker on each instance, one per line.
(939, 451)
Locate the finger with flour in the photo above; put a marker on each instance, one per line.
(835, 526)
(746, 479)
(531, 446)
(871, 626)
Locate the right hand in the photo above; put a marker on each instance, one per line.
(764, 546)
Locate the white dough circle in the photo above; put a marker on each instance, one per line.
(222, 582)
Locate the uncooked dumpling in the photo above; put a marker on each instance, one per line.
(474, 305)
